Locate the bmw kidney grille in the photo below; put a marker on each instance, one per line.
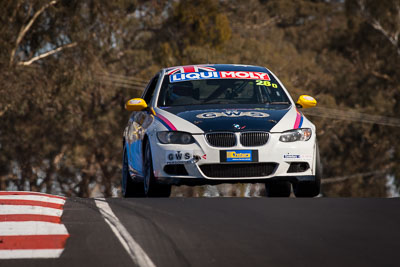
(228, 139)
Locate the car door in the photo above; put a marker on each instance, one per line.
(135, 132)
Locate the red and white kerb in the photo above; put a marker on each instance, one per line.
(30, 225)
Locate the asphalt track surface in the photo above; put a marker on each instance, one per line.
(234, 232)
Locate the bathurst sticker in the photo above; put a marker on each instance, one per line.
(179, 156)
(180, 77)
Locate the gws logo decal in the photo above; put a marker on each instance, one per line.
(176, 157)
(232, 114)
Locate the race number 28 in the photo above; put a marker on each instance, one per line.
(266, 83)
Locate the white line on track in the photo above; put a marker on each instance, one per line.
(134, 250)
(34, 198)
(25, 209)
(31, 228)
(30, 253)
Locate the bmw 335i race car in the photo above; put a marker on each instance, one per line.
(212, 124)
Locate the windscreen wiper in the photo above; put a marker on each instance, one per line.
(278, 103)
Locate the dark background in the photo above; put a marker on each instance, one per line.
(67, 68)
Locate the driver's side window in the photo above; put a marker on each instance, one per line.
(149, 92)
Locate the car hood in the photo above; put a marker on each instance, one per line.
(231, 119)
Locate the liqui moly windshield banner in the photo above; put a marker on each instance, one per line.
(180, 77)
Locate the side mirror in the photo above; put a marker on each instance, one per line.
(135, 104)
(306, 101)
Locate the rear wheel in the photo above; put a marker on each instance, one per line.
(129, 187)
(151, 187)
(276, 188)
(310, 188)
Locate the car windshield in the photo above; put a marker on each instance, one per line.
(221, 91)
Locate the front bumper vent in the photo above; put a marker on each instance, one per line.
(238, 170)
(175, 169)
(298, 167)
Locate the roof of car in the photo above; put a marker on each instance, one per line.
(218, 67)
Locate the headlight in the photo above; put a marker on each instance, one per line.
(296, 135)
(175, 138)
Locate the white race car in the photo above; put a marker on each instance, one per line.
(212, 124)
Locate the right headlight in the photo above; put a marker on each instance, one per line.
(174, 137)
(296, 135)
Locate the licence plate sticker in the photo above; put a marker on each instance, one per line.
(239, 156)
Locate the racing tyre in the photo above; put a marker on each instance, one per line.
(151, 187)
(129, 187)
(276, 188)
(310, 188)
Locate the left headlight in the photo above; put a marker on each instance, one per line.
(296, 135)
(175, 138)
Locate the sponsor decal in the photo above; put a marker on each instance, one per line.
(303, 157)
(291, 156)
(232, 114)
(204, 156)
(183, 76)
(238, 155)
(244, 75)
(175, 157)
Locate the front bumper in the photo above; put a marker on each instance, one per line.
(290, 161)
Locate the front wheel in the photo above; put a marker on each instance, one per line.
(128, 186)
(151, 187)
(310, 188)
